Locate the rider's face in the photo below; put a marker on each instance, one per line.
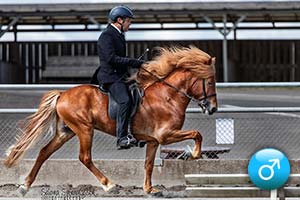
(126, 24)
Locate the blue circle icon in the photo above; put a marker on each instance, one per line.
(269, 169)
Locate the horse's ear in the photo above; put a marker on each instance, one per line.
(212, 61)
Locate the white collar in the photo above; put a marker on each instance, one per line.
(116, 27)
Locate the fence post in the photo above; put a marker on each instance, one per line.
(273, 194)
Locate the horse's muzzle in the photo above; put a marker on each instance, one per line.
(207, 107)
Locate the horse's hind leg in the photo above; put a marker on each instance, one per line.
(62, 135)
(180, 135)
(85, 156)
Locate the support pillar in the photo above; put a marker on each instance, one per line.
(225, 53)
(224, 31)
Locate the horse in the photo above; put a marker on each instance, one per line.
(170, 81)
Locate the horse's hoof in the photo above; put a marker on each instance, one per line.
(108, 187)
(115, 189)
(23, 190)
(155, 193)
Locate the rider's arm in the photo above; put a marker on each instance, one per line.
(106, 41)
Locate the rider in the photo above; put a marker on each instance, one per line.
(113, 69)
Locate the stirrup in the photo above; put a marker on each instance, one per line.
(131, 139)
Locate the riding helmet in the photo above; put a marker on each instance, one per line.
(120, 11)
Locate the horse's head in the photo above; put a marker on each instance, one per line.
(204, 90)
(195, 69)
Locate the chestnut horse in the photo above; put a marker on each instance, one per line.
(170, 81)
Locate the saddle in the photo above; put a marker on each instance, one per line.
(136, 95)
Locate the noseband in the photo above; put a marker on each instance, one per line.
(202, 102)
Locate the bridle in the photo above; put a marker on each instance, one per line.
(202, 101)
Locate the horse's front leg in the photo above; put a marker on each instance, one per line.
(149, 164)
(180, 135)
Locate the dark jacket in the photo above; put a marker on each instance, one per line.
(112, 54)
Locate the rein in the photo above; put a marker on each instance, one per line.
(201, 101)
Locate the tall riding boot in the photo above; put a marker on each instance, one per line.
(124, 141)
(122, 121)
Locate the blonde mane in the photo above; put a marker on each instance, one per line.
(169, 59)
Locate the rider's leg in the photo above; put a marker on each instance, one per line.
(119, 92)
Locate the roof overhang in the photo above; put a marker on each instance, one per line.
(58, 14)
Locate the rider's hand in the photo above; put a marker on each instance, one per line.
(137, 63)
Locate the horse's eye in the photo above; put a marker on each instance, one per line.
(210, 83)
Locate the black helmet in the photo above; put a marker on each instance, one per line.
(120, 11)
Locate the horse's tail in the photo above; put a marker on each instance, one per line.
(41, 122)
